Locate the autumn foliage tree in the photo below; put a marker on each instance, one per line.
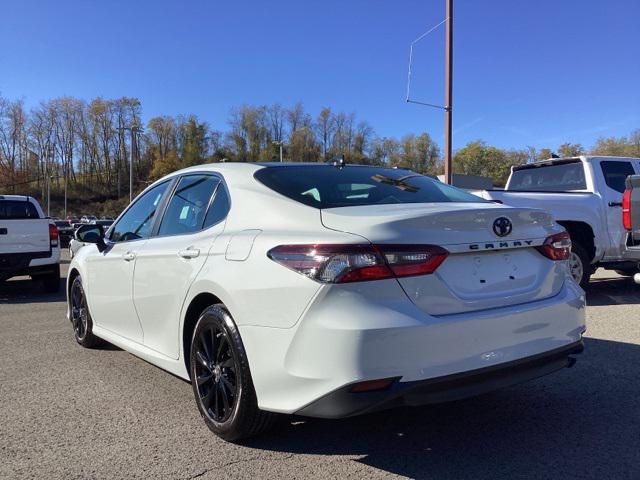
(86, 149)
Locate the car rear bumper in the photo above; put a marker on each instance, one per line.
(344, 403)
(371, 330)
(31, 263)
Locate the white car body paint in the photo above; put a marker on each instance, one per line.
(240, 245)
(305, 339)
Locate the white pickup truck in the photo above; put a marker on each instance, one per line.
(584, 195)
(29, 242)
(631, 220)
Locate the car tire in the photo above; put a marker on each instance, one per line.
(221, 379)
(580, 265)
(80, 316)
(51, 281)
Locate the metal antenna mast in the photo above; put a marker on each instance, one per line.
(448, 85)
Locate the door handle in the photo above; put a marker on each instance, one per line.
(189, 253)
(128, 256)
(615, 204)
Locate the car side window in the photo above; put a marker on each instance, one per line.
(615, 174)
(219, 207)
(137, 221)
(188, 206)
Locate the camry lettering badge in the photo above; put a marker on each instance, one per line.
(501, 244)
(502, 226)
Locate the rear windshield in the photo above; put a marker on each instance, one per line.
(563, 177)
(17, 210)
(326, 186)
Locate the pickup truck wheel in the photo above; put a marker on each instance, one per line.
(579, 265)
(80, 317)
(51, 281)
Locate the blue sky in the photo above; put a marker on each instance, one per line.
(526, 72)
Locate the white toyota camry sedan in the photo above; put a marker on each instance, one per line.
(326, 290)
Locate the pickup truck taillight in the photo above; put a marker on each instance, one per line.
(357, 263)
(556, 247)
(53, 235)
(626, 209)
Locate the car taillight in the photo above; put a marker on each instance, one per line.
(556, 247)
(53, 235)
(626, 209)
(356, 263)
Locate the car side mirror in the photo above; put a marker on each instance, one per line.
(91, 234)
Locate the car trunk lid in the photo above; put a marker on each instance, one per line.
(493, 261)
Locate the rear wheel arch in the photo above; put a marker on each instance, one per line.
(198, 304)
(581, 233)
(73, 273)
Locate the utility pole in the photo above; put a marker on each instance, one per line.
(448, 86)
(133, 141)
(448, 91)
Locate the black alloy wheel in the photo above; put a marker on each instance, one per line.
(216, 373)
(80, 317)
(221, 379)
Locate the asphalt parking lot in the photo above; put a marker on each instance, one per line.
(68, 412)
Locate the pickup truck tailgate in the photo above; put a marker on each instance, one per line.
(24, 236)
(633, 186)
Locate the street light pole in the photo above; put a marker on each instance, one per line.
(47, 166)
(134, 131)
(448, 91)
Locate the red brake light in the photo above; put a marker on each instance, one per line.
(626, 209)
(53, 235)
(355, 263)
(557, 247)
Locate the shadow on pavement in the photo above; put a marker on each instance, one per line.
(20, 290)
(613, 291)
(578, 423)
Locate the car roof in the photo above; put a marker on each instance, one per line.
(241, 173)
(15, 197)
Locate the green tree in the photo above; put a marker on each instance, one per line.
(195, 147)
(614, 146)
(478, 158)
(164, 165)
(570, 150)
(545, 153)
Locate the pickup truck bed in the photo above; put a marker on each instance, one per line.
(584, 195)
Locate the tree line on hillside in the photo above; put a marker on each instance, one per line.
(85, 147)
